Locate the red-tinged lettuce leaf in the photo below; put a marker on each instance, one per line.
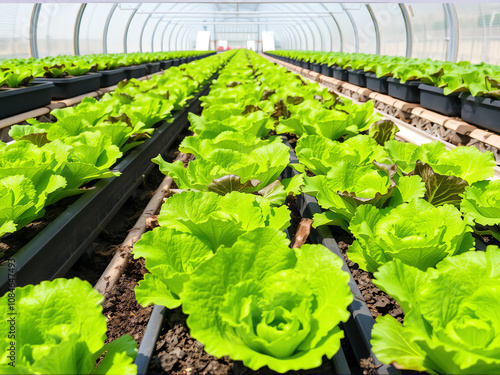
(440, 189)
(383, 131)
(229, 183)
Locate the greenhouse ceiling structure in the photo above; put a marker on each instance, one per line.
(443, 31)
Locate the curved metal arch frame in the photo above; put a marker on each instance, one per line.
(156, 28)
(127, 27)
(76, 32)
(106, 28)
(354, 27)
(35, 15)
(166, 26)
(409, 32)
(304, 34)
(453, 31)
(144, 27)
(338, 27)
(377, 29)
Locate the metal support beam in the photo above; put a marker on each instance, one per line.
(127, 27)
(76, 32)
(35, 15)
(106, 28)
(144, 27)
(409, 32)
(377, 30)
(341, 48)
(452, 32)
(355, 29)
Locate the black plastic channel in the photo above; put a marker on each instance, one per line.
(148, 343)
(378, 84)
(407, 91)
(357, 77)
(73, 86)
(481, 111)
(359, 327)
(152, 68)
(23, 99)
(135, 71)
(433, 98)
(112, 77)
(54, 250)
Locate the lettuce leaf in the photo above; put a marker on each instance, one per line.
(416, 233)
(268, 305)
(451, 322)
(60, 329)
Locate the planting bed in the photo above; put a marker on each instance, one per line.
(232, 278)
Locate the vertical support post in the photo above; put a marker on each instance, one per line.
(356, 34)
(409, 32)
(35, 14)
(127, 27)
(377, 29)
(76, 33)
(453, 32)
(144, 27)
(341, 48)
(106, 29)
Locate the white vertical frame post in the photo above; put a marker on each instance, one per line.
(377, 29)
(106, 29)
(409, 32)
(76, 33)
(35, 15)
(453, 32)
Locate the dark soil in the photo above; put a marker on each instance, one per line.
(178, 353)
(378, 302)
(12, 243)
(291, 203)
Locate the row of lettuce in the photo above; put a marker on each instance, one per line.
(57, 327)
(412, 209)
(51, 161)
(20, 72)
(221, 253)
(477, 79)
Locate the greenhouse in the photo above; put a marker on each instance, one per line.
(242, 187)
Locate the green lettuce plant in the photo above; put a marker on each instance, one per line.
(252, 171)
(320, 154)
(268, 305)
(481, 201)
(416, 233)
(60, 329)
(451, 323)
(193, 226)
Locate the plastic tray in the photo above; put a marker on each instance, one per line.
(481, 111)
(65, 88)
(340, 73)
(377, 84)
(433, 98)
(112, 77)
(19, 100)
(135, 71)
(152, 68)
(357, 77)
(407, 91)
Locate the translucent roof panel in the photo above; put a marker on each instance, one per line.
(392, 28)
(119, 21)
(479, 34)
(92, 28)
(55, 31)
(367, 41)
(429, 28)
(15, 30)
(349, 38)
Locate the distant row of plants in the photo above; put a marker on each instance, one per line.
(20, 72)
(59, 325)
(478, 79)
(51, 161)
(248, 294)
(412, 210)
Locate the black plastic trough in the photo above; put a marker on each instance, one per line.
(54, 250)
